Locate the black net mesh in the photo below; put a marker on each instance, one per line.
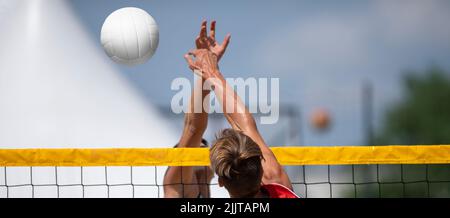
(332, 181)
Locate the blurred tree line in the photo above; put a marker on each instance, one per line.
(423, 115)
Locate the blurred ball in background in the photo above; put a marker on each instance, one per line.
(130, 36)
(320, 119)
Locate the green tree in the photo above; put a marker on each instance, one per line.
(423, 115)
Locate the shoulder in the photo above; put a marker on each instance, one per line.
(275, 190)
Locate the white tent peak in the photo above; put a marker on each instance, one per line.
(58, 89)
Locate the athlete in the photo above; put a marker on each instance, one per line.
(245, 165)
(188, 181)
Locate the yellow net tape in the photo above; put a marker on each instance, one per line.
(336, 155)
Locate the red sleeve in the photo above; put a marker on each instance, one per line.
(275, 190)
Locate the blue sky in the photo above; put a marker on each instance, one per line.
(322, 51)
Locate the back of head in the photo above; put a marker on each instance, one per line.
(236, 159)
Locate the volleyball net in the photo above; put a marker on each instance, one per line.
(330, 172)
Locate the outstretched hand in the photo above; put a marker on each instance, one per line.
(205, 63)
(203, 41)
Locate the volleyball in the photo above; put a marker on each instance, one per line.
(320, 119)
(130, 36)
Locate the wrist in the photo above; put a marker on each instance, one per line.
(215, 78)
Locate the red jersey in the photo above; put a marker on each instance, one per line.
(275, 190)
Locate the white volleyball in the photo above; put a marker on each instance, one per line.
(130, 36)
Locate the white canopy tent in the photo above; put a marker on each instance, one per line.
(57, 89)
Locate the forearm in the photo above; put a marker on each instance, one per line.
(196, 118)
(236, 112)
(232, 105)
(195, 123)
(240, 118)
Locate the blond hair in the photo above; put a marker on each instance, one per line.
(236, 159)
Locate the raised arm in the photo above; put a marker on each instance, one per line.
(195, 123)
(237, 113)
